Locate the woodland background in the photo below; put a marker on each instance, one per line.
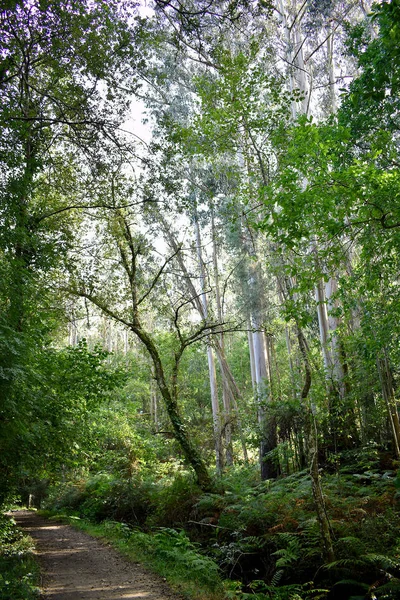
(199, 330)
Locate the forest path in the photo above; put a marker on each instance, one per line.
(76, 566)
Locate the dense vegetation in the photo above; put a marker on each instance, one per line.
(199, 325)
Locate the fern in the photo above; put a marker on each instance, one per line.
(378, 561)
(349, 546)
(291, 553)
(276, 578)
(389, 590)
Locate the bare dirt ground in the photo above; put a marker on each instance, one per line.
(76, 566)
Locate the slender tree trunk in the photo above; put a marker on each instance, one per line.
(266, 421)
(323, 328)
(153, 402)
(314, 468)
(226, 400)
(318, 496)
(126, 342)
(331, 70)
(294, 54)
(72, 331)
(338, 369)
(252, 359)
(385, 377)
(210, 356)
(219, 459)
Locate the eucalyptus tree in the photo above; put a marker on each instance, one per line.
(200, 72)
(351, 171)
(241, 105)
(256, 80)
(172, 100)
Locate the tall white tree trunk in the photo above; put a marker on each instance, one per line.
(252, 359)
(210, 355)
(337, 369)
(126, 342)
(265, 420)
(323, 328)
(294, 57)
(72, 332)
(226, 399)
(331, 70)
(257, 347)
(338, 372)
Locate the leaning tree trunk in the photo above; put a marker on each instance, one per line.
(320, 505)
(189, 450)
(129, 253)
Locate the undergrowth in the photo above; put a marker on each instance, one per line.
(19, 572)
(262, 538)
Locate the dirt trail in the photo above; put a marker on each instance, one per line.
(76, 566)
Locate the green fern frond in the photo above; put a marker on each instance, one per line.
(382, 561)
(347, 563)
(276, 578)
(379, 561)
(389, 590)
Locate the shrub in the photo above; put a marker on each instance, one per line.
(19, 572)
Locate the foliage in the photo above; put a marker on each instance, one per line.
(173, 500)
(373, 97)
(105, 497)
(19, 572)
(52, 117)
(265, 535)
(62, 387)
(300, 221)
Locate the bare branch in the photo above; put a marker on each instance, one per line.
(97, 302)
(158, 275)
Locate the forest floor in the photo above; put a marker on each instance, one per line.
(76, 566)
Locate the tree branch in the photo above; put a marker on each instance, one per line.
(158, 275)
(97, 302)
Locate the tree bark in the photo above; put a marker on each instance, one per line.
(318, 496)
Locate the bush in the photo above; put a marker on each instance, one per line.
(173, 501)
(19, 572)
(105, 497)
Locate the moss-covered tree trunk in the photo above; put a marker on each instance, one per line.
(189, 449)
